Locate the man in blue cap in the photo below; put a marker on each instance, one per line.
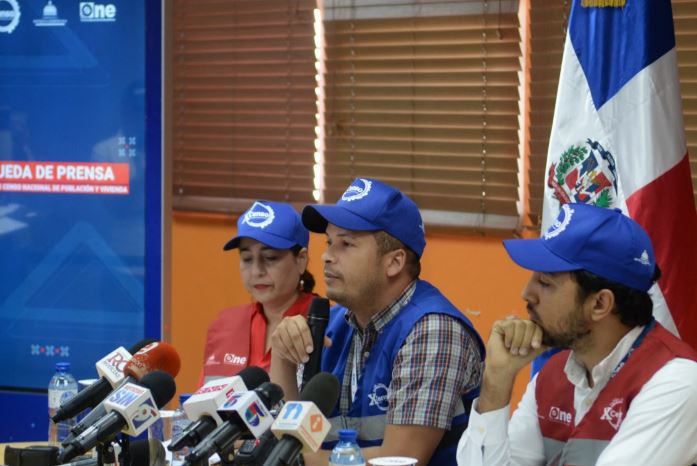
(624, 390)
(409, 362)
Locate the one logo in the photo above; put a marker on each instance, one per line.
(9, 15)
(91, 12)
(378, 397)
(584, 174)
(562, 222)
(259, 216)
(613, 413)
(253, 414)
(558, 415)
(50, 17)
(644, 258)
(143, 414)
(292, 411)
(355, 192)
(232, 358)
(316, 423)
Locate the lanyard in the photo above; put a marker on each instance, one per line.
(354, 366)
(647, 328)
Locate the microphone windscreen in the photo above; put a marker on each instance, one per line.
(147, 452)
(161, 386)
(270, 394)
(319, 309)
(154, 356)
(323, 390)
(253, 376)
(140, 345)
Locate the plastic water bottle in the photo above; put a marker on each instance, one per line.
(347, 450)
(179, 423)
(61, 388)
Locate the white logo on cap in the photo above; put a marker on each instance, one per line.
(353, 193)
(259, 215)
(560, 225)
(644, 259)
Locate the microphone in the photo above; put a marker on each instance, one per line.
(147, 452)
(153, 356)
(302, 425)
(110, 369)
(317, 319)
(204, 404)
(131, 409)
(244, 413)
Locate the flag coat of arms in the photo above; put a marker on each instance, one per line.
(618, 139)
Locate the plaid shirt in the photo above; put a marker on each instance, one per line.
(439, 361)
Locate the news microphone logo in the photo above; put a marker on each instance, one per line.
(136, 405)
(316, 423)
(144, 413)
(91, 12)
(292, 411)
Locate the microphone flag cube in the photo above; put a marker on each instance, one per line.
(111, 366)
(304, 421)
(210, 397)
(136, 405)
(248, 408)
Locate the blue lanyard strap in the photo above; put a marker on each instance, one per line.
(647, 328)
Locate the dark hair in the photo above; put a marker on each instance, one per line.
(388, 243)
(634, 306)
(307, 281)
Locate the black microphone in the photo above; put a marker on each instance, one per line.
(245, 413)
(317, 320)
(203, 405)
(299, 425)
(90, 396)
(130, 407)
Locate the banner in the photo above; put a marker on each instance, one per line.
(72, 184)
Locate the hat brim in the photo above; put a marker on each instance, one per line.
(317, 217)
(532, 254)
(267, 239)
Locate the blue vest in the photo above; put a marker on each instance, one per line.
(368, 413)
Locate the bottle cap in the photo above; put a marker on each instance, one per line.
(62, 366)
(347, 435)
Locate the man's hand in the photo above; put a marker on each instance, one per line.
(292, 340)
(513, 343)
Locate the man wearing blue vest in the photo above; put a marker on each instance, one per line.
(623, 391)
(409, 362)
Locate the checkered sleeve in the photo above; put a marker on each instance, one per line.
(439, 361)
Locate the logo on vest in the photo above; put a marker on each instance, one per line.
(378, 397)
(354, 192)
(558, 415)
(259, 216)
(613, 413)
(232, 358)
(211, 361)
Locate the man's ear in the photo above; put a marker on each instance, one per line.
(602, 303)
(394, 262)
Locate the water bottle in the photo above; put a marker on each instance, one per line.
(61, 388)
(347, 450)
(179, 423)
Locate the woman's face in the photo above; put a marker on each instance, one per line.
(270, 275)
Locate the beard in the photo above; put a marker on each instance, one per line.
(572, 333)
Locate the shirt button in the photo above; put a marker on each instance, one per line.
(481, 429)
(366, 354)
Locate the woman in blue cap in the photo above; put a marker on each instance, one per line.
(272, 243)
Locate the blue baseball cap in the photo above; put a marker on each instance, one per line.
(370, 205)
(275, 224)
(584, 237)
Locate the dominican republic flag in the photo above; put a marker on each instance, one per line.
(618, 139)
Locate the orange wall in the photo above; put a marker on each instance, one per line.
(474, 272)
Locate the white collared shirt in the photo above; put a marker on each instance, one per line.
(660, 427)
